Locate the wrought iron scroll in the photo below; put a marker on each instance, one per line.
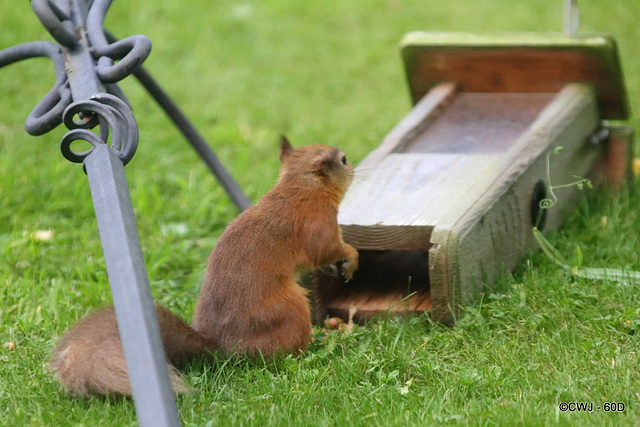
(109, 112)
(77, 27)
(84, 94)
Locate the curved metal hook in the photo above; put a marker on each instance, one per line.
(75, 135)
(95, 29)
(95, 22)
(112, 114)
(127, 121)
(53, 19)
(47, 114)
(131, 52)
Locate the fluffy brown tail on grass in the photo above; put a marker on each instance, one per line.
(89, 358)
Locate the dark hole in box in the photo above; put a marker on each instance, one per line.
(387, 282)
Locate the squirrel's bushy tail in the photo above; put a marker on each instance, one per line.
(89, 358)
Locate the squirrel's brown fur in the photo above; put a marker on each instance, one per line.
(250, 302)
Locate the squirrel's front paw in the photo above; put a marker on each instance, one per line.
(349, 265)
(341, 268)
(347, 268)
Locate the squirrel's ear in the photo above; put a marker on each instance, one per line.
(323, 160)
(285, 147)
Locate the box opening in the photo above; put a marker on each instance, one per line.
(387, 282)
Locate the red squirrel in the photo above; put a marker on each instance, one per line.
(250, 302)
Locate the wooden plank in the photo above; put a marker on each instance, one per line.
(480, 123)
(517, 63)
(371, 304)
(424, 113)
(424, 305)
(618, 168)
(397, 197)
(415, 189)
(401, 237)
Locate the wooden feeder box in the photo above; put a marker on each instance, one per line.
(448, 200)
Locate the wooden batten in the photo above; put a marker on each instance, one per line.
(617, 165)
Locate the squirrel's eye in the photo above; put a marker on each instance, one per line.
(344, 160)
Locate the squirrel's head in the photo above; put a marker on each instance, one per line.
(325, 165)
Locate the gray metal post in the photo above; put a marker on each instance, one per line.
(153, 397)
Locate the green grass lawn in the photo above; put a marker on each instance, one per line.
(328, 72)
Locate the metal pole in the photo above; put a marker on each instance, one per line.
(571, 18)
(152, 394)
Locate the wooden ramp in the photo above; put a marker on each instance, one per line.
(449, 198)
